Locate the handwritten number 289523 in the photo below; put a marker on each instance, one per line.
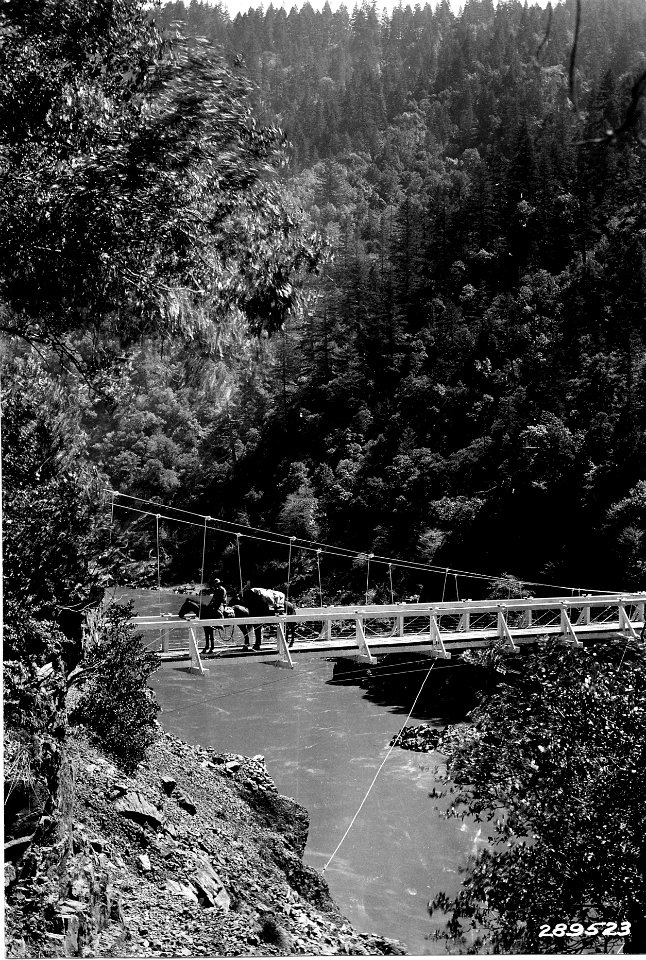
(597, 929)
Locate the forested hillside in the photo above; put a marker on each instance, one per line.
(372, 282)
(466, 384)
(425, 339)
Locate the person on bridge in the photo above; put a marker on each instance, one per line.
(207, 611)
(219, 599)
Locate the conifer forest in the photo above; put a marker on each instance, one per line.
(463, 383)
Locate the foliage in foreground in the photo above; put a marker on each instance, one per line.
(33, 714)
(115, 702)
(555, 764)
(136, 194)
(56, 549)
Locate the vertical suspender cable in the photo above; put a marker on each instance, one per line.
(238, 535)
(289, 567)
(158, 573)
(457, 592)
(390, 575)
(318, 564)
(446, 573)
(368, 574)
(202, 567)
(111, 515)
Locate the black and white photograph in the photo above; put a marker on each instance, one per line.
(323, 470)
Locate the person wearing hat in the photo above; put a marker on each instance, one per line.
(219, 598)
(212, 610)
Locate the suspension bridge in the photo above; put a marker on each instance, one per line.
(365, 631)
(437, 630)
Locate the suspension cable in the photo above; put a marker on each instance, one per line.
(381, 766)
(368, 573)
(289, 568)
(238, 535)
(390, 574)
(411, 565)
(158, 571)
(318, 564)
(202, 568)
(446, 574)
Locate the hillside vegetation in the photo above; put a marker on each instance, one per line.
(465, 385)
(372, 282)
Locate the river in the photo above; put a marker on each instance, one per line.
(323, 739)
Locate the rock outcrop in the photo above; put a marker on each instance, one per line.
(423, 738)
(195, 855)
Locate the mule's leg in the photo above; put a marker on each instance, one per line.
(258, 633)
(246, 632)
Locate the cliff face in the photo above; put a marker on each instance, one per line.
(195, 855)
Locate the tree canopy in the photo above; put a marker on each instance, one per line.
(469, 379)
(136, 193)
(553, 765)
(463, 385)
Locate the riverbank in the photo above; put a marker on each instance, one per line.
(196, 854)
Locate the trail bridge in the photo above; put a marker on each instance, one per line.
(365, 632)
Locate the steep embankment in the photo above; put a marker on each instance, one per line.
(196, 854)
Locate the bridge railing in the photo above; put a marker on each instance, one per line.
(435, 624)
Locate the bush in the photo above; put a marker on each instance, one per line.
(115, 701)
(553, 764)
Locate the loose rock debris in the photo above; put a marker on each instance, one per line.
(195, 855)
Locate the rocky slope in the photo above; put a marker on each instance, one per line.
(195, 855)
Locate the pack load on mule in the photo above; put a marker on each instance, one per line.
(252, 602)
(262, 602)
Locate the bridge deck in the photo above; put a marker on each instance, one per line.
(364, 632)
(409, 643)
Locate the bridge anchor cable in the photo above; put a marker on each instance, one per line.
(381, 766)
